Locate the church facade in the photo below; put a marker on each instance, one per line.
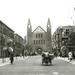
(39, 40)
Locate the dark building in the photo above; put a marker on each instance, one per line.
(39, 40)
(71, 41)
(18, 44)
(6, 39)
(60, 38)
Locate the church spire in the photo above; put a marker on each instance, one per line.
(49, 35)
(48, 22)
(29, 22)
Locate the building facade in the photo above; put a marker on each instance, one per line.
(18, 45)
(39, 40)
(60, 37)
(71, 41)
(6, 39)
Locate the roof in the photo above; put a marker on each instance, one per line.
(39, 30)
(6, 26)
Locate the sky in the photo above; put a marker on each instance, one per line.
(15, 14)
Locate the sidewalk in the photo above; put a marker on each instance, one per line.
(7, 60)
(66, 59)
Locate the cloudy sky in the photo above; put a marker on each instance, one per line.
(15, 13)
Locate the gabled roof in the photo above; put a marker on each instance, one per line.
(39, 30)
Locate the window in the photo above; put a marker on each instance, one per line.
(28, 26)
(41, 35)
(36, 35)
(39, 41)
(34, 41)
(48, 25)
(67, 31)
(43, 41)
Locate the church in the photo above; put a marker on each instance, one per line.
(39, 40)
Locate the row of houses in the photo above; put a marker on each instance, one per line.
(64, 36)
(9, 38)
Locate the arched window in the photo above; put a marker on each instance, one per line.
(48, 25)
(28, 26)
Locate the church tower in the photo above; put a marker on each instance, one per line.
(29, 33)
(49, 36)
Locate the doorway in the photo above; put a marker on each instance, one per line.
(39, 51)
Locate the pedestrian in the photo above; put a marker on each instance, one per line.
(70, 56)
(11, 58)
(50, 58)
(11, 55)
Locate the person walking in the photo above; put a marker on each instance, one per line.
(70, 56)
(11, 55)
(11, 58)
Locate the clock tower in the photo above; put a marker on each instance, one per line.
(29, 34)
(49, 37)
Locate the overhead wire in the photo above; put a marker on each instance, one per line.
(69, 13)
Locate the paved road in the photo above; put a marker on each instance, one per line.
(33, 66)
